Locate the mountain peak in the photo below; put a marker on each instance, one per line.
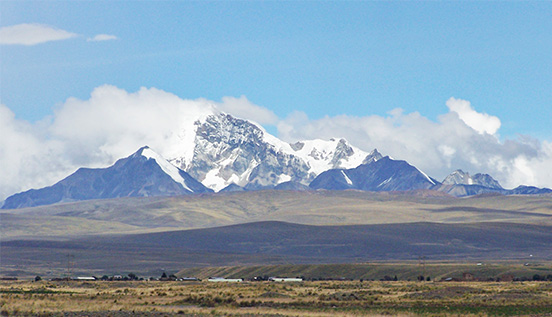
(372, 157)
(144, 173)
(459, 177)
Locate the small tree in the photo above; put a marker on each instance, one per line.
(38, 278)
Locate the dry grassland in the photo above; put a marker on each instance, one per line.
(328, 298)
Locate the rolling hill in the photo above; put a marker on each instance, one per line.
(146, 214)
(269, 243)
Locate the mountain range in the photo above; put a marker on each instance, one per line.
(221, 153)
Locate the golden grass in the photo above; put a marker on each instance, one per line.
(329, 298)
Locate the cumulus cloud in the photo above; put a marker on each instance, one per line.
(114, 123)
(480, 122)
(243, 108)
(461, 138)
(95, 132)
(102, 37)
(32, 34)
(27, 158)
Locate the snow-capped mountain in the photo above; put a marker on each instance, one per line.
(228, 150)
(377, 174)
(144, 173)
(460, 177)
(214, 151)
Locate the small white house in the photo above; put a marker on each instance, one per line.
(222, 279)
(285, 279)
(84, 278)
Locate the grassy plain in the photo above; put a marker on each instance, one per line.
(322, 298)
(149, 214)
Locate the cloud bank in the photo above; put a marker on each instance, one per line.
(460, 139)
(32, 34)
(114, 123)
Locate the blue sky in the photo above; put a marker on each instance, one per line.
(323, 58)
(309, 64)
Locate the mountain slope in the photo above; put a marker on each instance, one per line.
(383, 174)
(144, 173)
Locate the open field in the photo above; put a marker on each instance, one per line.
(406, 271)
(322, 298)
(148, 214)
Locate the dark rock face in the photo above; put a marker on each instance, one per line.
(384, 174)
(135, 175)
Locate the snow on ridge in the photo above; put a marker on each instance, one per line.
(318, 154)
(347, 179)
(167, 167)
(215, 182)
(425, 175)
(283, 178)
(385, 181)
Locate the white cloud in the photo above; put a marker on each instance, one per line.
(480, 122)
(32, 34)
(102, 37)
(27, 158)
(437, 147)
(114, 123)
(110, 125)
(243, 108)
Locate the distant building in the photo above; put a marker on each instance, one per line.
(222, 279)
(84, 278)
(285, 279)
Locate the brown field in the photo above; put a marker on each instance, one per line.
(320, 298)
